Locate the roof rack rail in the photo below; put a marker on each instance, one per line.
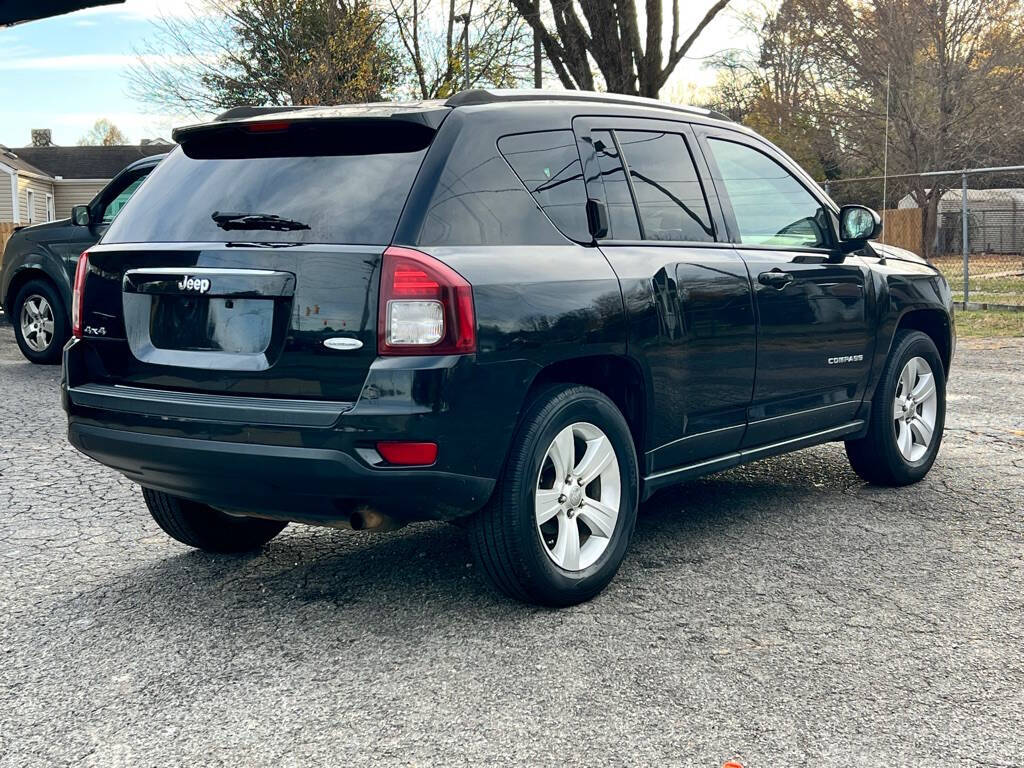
(500, 95)
(237, 113)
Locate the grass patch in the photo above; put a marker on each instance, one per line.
(988, 323)
(995, 278)
(988, 297)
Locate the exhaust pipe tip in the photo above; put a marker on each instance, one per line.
(366, 519)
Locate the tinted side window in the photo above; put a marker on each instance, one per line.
(622, 223)
(669, 195)
(548, 163)
(770, 205)
(114, 206)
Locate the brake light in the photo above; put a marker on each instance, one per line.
(268, 126)
(76, 297)
(408, 454)
(426, 307)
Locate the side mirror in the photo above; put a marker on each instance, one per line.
(80, 216)
(857, 225)
(597, 218)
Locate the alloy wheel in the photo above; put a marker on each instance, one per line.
(37, 323)
(577, 496)
(914, 409)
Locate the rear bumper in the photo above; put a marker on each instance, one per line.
(314, 485)
(306, 460)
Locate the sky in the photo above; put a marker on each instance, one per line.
(67, 72)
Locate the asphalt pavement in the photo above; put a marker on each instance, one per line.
(780, 614)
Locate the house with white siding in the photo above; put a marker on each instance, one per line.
(42, 183)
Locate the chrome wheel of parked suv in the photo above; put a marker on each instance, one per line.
(908, 412)
(577, 497)
(40, 322)
(914, 409)
(560, 521)
(37, 323)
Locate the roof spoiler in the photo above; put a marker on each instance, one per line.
(238, 117)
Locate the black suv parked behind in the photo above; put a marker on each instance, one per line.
(39, 262)
(524, 310)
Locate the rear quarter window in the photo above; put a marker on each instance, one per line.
(476, 198)
(548, 164)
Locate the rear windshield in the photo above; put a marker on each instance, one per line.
(296, 183)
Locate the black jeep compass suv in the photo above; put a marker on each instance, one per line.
(526, 311)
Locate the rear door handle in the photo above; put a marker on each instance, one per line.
(776, 278)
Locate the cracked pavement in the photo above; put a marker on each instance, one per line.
(781, 614)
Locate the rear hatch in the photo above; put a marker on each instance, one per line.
(249, 261)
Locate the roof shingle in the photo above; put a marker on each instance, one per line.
(82, 162)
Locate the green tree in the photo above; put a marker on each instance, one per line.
(268, 52)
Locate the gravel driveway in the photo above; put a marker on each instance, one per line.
(782, 614)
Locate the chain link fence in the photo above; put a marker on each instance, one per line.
(969, 224)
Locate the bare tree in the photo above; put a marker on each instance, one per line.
(607, 33)
(775, 85)
(956, 75)
(231, 52)
(816, 82)
(431, 33)
(103, 134)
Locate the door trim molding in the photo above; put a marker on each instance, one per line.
(668, 477)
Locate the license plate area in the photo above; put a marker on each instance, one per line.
(216, 319)
(198, 323)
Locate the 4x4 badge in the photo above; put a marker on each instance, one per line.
(197, 284)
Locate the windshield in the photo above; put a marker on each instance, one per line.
(351, 191)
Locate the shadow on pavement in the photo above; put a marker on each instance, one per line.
(421, 574)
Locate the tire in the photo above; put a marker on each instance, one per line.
(881, 456)
(505, 536)
(40, 321)
(206, 528)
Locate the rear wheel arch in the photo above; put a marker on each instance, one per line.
(934, 323)
(616, 376)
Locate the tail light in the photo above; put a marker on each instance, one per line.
(76, 297)
(426, 307)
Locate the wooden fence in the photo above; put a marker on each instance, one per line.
(6, 230)
(903, 227)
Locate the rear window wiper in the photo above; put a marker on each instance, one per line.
(256, 221)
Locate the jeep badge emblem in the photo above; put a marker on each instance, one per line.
(341, 343)
(199, 285)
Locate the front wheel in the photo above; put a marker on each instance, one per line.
(563, 514)
(908, 413)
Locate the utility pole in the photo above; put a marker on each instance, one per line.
(463, 18)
